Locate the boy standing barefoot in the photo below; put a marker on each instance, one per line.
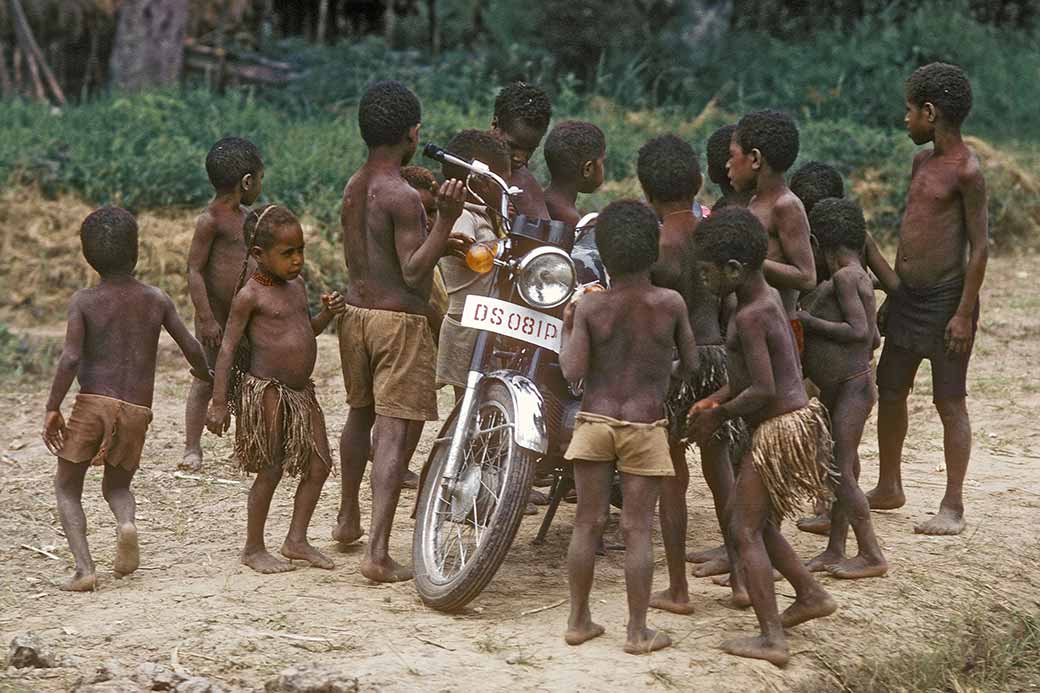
(764, 146)
(574, 152)
(717, 154)
(280, 426)
(790, 451)
(386, 344)
(110, 346)
(621, 342)
(215, 260)
(840, 338)
(522, 113)
(670, 177)
(934, 309)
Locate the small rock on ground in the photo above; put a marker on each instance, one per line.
(313, 678)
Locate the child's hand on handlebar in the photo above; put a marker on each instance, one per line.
(458, 244)
(450, 198)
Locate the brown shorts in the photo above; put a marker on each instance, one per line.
(638, 448)
(388, 361)
(103, 430)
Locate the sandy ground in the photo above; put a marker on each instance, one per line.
(193, 603)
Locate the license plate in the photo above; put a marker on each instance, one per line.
(511, 320)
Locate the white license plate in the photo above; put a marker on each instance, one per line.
(511, 320)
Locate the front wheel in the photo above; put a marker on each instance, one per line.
(466, 524)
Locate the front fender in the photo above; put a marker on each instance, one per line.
(529, 408)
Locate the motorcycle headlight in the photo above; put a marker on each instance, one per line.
(546, 277)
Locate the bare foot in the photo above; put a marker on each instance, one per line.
(128, 553)
(858, 567)
(580, 634)
(676, 604)
(823, 561)
(815, 606)
(885, 500)
(191, 462)
(530, 509)
(647, 641)
(263, 562)
(945, 523)
(773, 651)
(740, 599)
(80, 582)
(717, 566)
(390, 571)
(815, 524)
(306, 552)
(706, 555)
(411, 480)
(347, 533)
(537, 497)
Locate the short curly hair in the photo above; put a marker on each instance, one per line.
(109, 239)
(718, 154)
(420, 178)
(570, 144)
(627, 237)
(475, 144)
(386, 112)
(815, 181)
(519, 101)
(944, 85)
(732, 233)
(771, 132)
(262, 224)
(668, 169)
(229, 160)
(838, 223)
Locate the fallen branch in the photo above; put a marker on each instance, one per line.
(433, 642)
(543, 608)
(208, 479)
(42, 552)
(291, 636)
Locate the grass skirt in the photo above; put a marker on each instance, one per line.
(794, 455)
(254, 442)
(710, 376)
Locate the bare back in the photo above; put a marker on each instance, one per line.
(632, 334)
(227, 252)
(761, 351)
(677, 269)
(846, 301)
(120, 324)
(933, 240)
(375, 279)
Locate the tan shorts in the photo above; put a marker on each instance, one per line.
(638, 448)
(454, 352)
(103, 430)
(388, 360)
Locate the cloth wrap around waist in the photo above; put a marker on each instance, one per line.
(711, 375)
(794, 456)
(917, 318)
(254, 443)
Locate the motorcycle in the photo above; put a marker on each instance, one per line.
(517, 413)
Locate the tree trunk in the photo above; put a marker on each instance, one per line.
(149, 43)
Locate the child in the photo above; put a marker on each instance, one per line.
(815, 181)
(574, 152)
(280, 426)
(217, 252)
(933, 303)
(790, 451)
(764, 146)
(110, 346)
(718, 154)
(621, 342)
(840, 338)
(670, 176)
(386, 344)
(480, 221)
(522, 113)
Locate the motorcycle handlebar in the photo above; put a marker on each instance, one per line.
(432, 151)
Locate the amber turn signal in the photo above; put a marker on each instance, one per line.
(481, 257)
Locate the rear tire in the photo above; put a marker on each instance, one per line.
(464, 529)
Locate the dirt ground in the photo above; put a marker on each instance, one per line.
(193, 604)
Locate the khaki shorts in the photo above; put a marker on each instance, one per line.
(103, 430)
(388, 361)
(638, 448)
(454, 352)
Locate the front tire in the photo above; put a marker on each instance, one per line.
(465, 526)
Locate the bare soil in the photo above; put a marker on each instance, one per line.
(192, 602)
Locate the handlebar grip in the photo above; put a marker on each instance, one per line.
(432, 151)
